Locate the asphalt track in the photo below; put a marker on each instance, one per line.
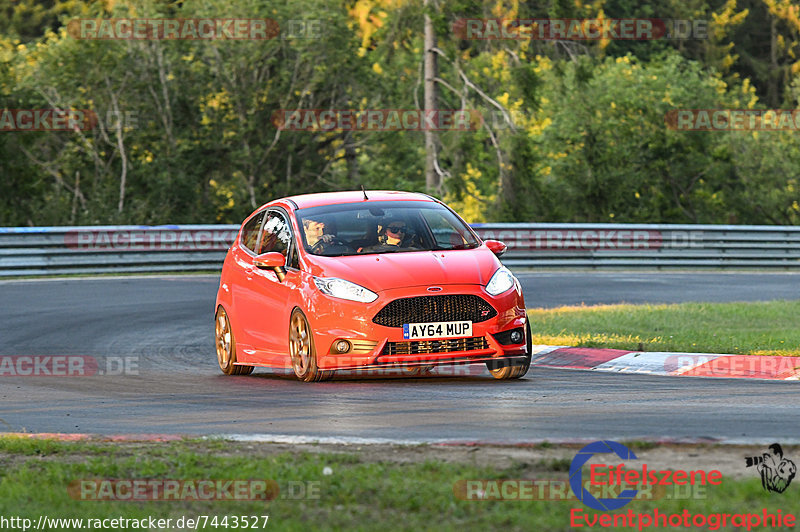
(162, 326)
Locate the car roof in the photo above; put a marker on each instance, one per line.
(354, 196)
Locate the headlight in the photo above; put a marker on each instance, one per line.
(501, 281)
(344, 289)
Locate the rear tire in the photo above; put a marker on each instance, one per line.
(513, 370)
(302, 350)
(226, 346)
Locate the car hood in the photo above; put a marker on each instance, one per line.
(416, 268)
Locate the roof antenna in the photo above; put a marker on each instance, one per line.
(365, 193)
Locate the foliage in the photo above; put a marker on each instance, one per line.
(571, 131)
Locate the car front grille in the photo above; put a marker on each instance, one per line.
(435, 346)
(424, 309)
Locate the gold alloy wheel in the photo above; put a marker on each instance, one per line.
(223, 335)
(299, 344)
(302, 351)
(226, 346)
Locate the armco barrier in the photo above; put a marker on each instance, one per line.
(109, 249)
(647, 245)
(176, 248)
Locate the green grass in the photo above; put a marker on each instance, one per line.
(770, 328)
(358, 495)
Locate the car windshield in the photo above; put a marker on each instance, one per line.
(382, 227)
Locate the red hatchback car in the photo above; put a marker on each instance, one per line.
(366, 280)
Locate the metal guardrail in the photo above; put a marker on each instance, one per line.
(176, 248)
(647, 245)
(112, 249)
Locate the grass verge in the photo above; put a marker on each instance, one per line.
(768, 328)
(356, 494)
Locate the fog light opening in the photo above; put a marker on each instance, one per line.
(342, 346)
(516, 336)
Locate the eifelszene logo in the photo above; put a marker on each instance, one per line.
(613, 477)
(776, 471)
(576, 475)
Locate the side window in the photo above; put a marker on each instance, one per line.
(294, 259)
(250, 231)
(447, 230)
(276, 235)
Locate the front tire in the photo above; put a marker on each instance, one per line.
(226, 346)
(303, 351)
(517, 371)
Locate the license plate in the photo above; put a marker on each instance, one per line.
(437, 329)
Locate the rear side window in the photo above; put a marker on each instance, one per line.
(276, 234)
(250, 231)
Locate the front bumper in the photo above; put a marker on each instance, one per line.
(377, 346)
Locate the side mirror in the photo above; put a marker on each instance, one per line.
(497, 247)
(271, 261)
(267, 261)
